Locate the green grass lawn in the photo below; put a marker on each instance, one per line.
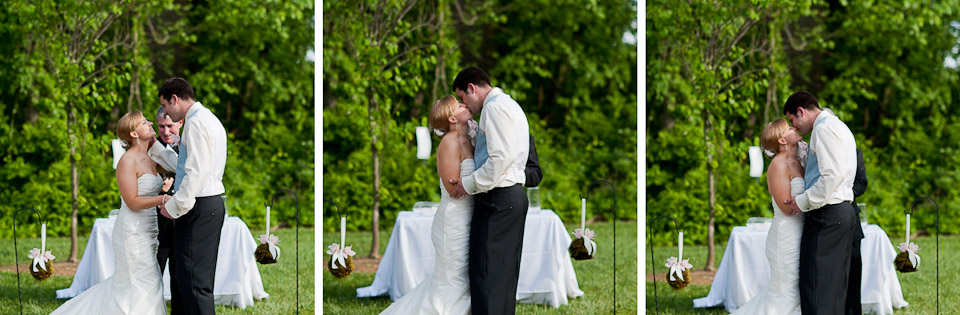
(918, 288)
(594, 276)
(278, 279)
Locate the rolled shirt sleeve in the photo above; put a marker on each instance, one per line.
(164, 156)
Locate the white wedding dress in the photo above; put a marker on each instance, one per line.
(782, 296)
(135, 287)
(447, 290)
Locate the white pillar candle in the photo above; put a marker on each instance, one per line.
(583, 215)
(343, 232)
(908, 229)
(680, 242)
(268, 221)
(43, 238)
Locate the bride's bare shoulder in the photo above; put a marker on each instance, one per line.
(448, 147)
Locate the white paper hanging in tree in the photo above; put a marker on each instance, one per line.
(423, 143)
(756, 161)
(118, 151)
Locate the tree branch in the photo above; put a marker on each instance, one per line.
(153, 34)
(87, 78)
(388, 65)
(456, 3)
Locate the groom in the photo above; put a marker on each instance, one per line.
(196, 206)
(500, 211)
(831, 226)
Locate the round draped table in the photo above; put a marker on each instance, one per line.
(546, 272)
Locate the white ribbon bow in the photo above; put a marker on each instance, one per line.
(339, 255)
(678, 267)
(802, 148)
(40, 258)
(911, 250)
(472, 133)
(587, 240)
(271, 242)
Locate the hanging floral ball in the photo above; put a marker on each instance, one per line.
(341, 271)
(41, 274)
(679, 284)
(578, 251)
(903, 264)
(263, 255)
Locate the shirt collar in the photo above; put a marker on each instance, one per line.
(820, 117)
(492, 95)
(193, 110)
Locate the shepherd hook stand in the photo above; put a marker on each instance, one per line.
(16, 256)
(653, 264)
(297, 216)
(914, 207)
(614, 235)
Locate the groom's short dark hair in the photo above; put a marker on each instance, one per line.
(800, 99)
(469, 75)
(178, 86)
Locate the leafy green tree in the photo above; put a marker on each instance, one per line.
(723, 55)
(892, 83)
(80, 53)
(378, 57)
(570, 67)
(249, 66)
(576, 83)
(252, 67)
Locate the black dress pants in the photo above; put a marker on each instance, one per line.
(825, 250)
(856, 271)
(496, 238)
(193, 264)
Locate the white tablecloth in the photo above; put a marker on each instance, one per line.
(744, 272)
(237, 280)
(546, 271)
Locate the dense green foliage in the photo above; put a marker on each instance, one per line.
(887, 68)
(247, 64)
(566, 63)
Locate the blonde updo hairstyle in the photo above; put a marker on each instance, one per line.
(441, 112)
(128, 123)
(770, 137)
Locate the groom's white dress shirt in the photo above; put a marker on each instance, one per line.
(836, 152)
(204, 141)
(504, 125)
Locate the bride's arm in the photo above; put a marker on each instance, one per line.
(778, 183)
(127, 181)
(448, 161)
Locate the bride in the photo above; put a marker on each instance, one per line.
(784, 181)
(447, 291)
(135, 287)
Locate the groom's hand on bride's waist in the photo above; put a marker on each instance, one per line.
(793, 208)
(458, 191)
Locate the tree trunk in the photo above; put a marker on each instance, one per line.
(712, 189)
(375, 155)
(74, 181)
